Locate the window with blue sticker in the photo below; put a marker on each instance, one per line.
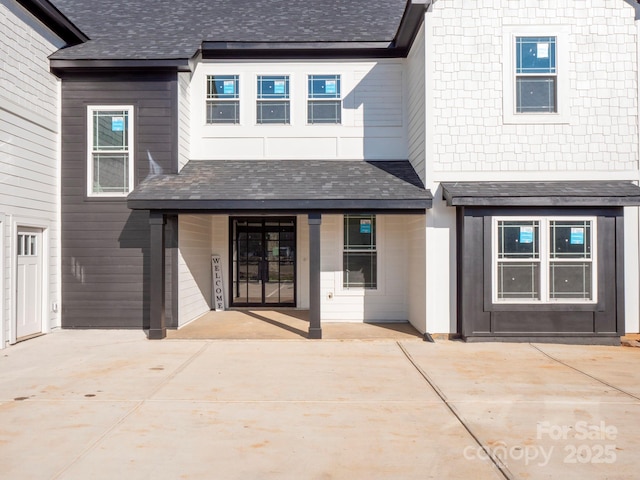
(324, 104)
(359, 257)
(223, 99)
(544, 259)
(273, 99)
(536, 75)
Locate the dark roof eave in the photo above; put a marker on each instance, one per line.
(279, 50)
(55, 20)
(541, 194)
(411, 21)
(134, 64)
(556, 201)
(418, 205)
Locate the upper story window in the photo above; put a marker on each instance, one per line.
(360, 258)
(273, 100)
(544, 260)
(110, 159)
(536, 72)
(223, 99)
(324, 103)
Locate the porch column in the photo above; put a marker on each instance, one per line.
(315, 330)
(158, 328)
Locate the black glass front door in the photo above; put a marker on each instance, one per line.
(264, 261)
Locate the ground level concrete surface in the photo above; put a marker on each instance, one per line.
(112, 404)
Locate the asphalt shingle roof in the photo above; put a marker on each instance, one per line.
(285, 184)
(170, 29)
(589, 193)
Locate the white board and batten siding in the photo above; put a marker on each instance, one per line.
(373, 114)
(29, 158)
(184, 115)
(389, 302)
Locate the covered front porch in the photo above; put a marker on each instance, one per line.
(284, 324)
(311, 191)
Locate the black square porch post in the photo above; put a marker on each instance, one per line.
(315, 330)
(158, 328)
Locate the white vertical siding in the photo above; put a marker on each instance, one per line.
(29, 145)
(417, 288)
(194, 266)
(389, 302)
(416, 105)
(184, 113)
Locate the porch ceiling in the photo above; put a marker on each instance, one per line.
(542, 194)
(285, 186)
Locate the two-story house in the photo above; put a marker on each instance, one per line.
(30, 167)
(468, 167)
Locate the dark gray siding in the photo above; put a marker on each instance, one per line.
(105, 246)
(479, 318)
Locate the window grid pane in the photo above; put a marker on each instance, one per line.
(518, 239)
(110, 173)
(322, 111)
(110, 130)
(570, 280)
(570, 239)
(223, 87)
(536, 55)
(324, 86)
(223, 111)
(519, 280)
(273, 112)
(273, 86)
(360, 269)
(359, 232)
(360, 260)
(536, 95)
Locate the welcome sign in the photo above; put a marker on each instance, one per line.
(217, 285)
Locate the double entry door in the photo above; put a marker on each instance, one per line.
(264, 261)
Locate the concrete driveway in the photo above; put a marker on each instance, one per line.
(111, 404)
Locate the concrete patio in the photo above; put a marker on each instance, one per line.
(112, 404)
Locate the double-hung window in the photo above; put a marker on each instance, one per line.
(272, 105)
(223, 99)
(110, 161)
(536, 75)
(324, 103)
(544, 259)
(360, 258)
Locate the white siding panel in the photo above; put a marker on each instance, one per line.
(194, 267)
(416, 104)
(184, 113)
(296, 148)
(416, 235)
(389, 302)
(373, 113)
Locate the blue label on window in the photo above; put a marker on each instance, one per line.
(117, 124)
(365, 226)
(278, 86)
(330, 86)
(229, 87)
(577, 236)
(526, 234)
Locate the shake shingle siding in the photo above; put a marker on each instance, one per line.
(104, 244)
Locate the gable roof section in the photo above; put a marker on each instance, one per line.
(285, 185)
(162, 30)
(541, 194)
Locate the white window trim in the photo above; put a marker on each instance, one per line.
(510, 116)
(257, 98)
(544, 222)
(380, 261)
(90, 110)
(229, 100)
(309, 99)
